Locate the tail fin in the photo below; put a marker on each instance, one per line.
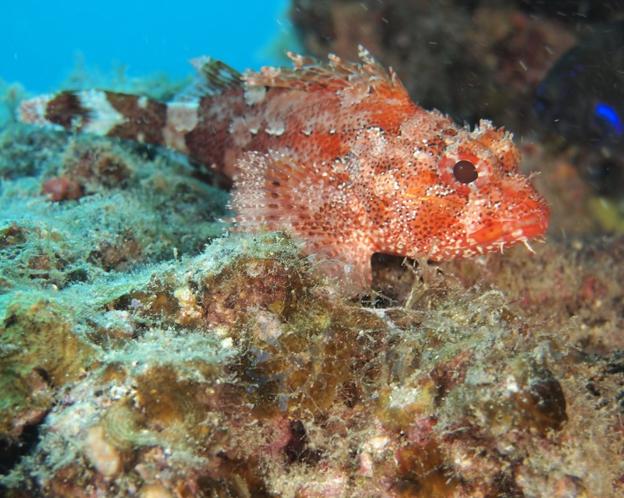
(114, 115)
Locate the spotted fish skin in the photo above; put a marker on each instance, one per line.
(336, 154)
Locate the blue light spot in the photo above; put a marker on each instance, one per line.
(608, 114)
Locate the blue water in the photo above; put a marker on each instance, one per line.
(41, 41)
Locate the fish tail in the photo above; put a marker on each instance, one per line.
(112, 114)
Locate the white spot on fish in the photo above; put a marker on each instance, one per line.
(254, 94)
(239, 129)
(275, 128)
(104, 117)
(181, 118)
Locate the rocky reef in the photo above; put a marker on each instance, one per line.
(146, 351)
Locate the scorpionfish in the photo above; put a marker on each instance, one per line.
(336, 154)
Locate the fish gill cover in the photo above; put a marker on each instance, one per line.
(148, 349)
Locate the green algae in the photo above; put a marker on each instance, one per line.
(219, 358)
(10, 97)
(39, 353)
(159, 348)
(79, 240)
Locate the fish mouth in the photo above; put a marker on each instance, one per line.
(505, 233)
(534, 228)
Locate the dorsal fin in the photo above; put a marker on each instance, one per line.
(334, 75)
(217, 74)
(213, 77)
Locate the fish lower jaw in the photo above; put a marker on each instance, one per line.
(493, 238)
(499, 237)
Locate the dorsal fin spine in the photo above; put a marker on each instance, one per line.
(216, 75)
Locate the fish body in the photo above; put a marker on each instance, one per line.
(336, 154)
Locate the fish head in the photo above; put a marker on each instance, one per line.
(460, 193)
(495, 205)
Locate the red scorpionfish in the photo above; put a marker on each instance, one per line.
(336, 154)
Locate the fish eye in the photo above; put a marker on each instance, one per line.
(465, 172)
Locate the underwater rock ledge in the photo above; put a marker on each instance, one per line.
(144, 352)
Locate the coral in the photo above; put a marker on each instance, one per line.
(10, 97)
(575, 283)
